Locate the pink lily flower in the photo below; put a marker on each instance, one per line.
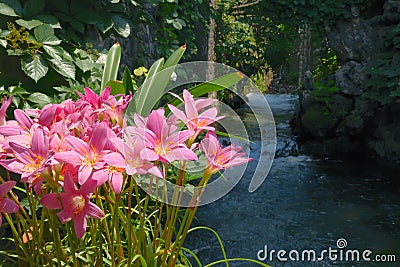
(191, 117)
(4, 106)
(217, 157)
(31, 162)
(128, 159)
(88, 156)
(7, 205)
(75, 204)
(165, 143)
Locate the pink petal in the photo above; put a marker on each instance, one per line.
(13, 165)
(116, 182)
(99, 137)
(202, 103)
(64, 216)
(39, 143)
(93, 211)
(8, 206)
(6, 187)
(50, 201)
(10, 130)
(78, 145)
(69, 185)
(115, 159)
(47, 115)
(180, 137)
(156, 121)
(178, 113)
(181, 153)
(88, 187)
(155, 171)
(100, 176)
(70, 157)
(1, 219)
(147, 155)
(80, 224)
(23, 119)
(84, 173)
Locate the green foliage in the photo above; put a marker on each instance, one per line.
(383, 81)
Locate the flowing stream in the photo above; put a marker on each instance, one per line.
(304, 204)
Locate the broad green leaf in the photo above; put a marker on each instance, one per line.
(84, 64)
(116, 87)
(175, 57)
(39, 99)
(17, 90)
(106, 24)
(121, 26)
(49, 19)
(156, 81)
(215, 85)
(152, 89)
(57, 52)
(4, 33)
(127, 80)
(11, 8)
(33, 7)
(111, 66)
(177, 25)
(77, 25)
(34, 66)
(65, 67)
(3, 43)
(29, 24)
(43, 32)
(52, 40)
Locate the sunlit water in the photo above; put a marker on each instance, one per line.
(304, 203)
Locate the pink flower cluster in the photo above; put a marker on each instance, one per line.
(79, 146)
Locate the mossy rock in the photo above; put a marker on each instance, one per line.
(317, 122)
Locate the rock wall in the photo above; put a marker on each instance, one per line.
(345, 119)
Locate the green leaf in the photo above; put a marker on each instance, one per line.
(52, 40)
(34, 66)
(57, 52)
(106, 24)
(39, 99)
(84, 64)
(215, 85)
(177, 25)
(116, 87)
(3, 43)
(127, 80)
(43, 32)
(49, 19)
(121, 26)
(77, 25)
(65, 67)
(175, 57)
(152, 89)
(10, 8)
(156, 81)
(4, 33)
(111, 66)
(33, 7)
(29, 24)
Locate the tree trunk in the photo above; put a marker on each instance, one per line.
(211, 57)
